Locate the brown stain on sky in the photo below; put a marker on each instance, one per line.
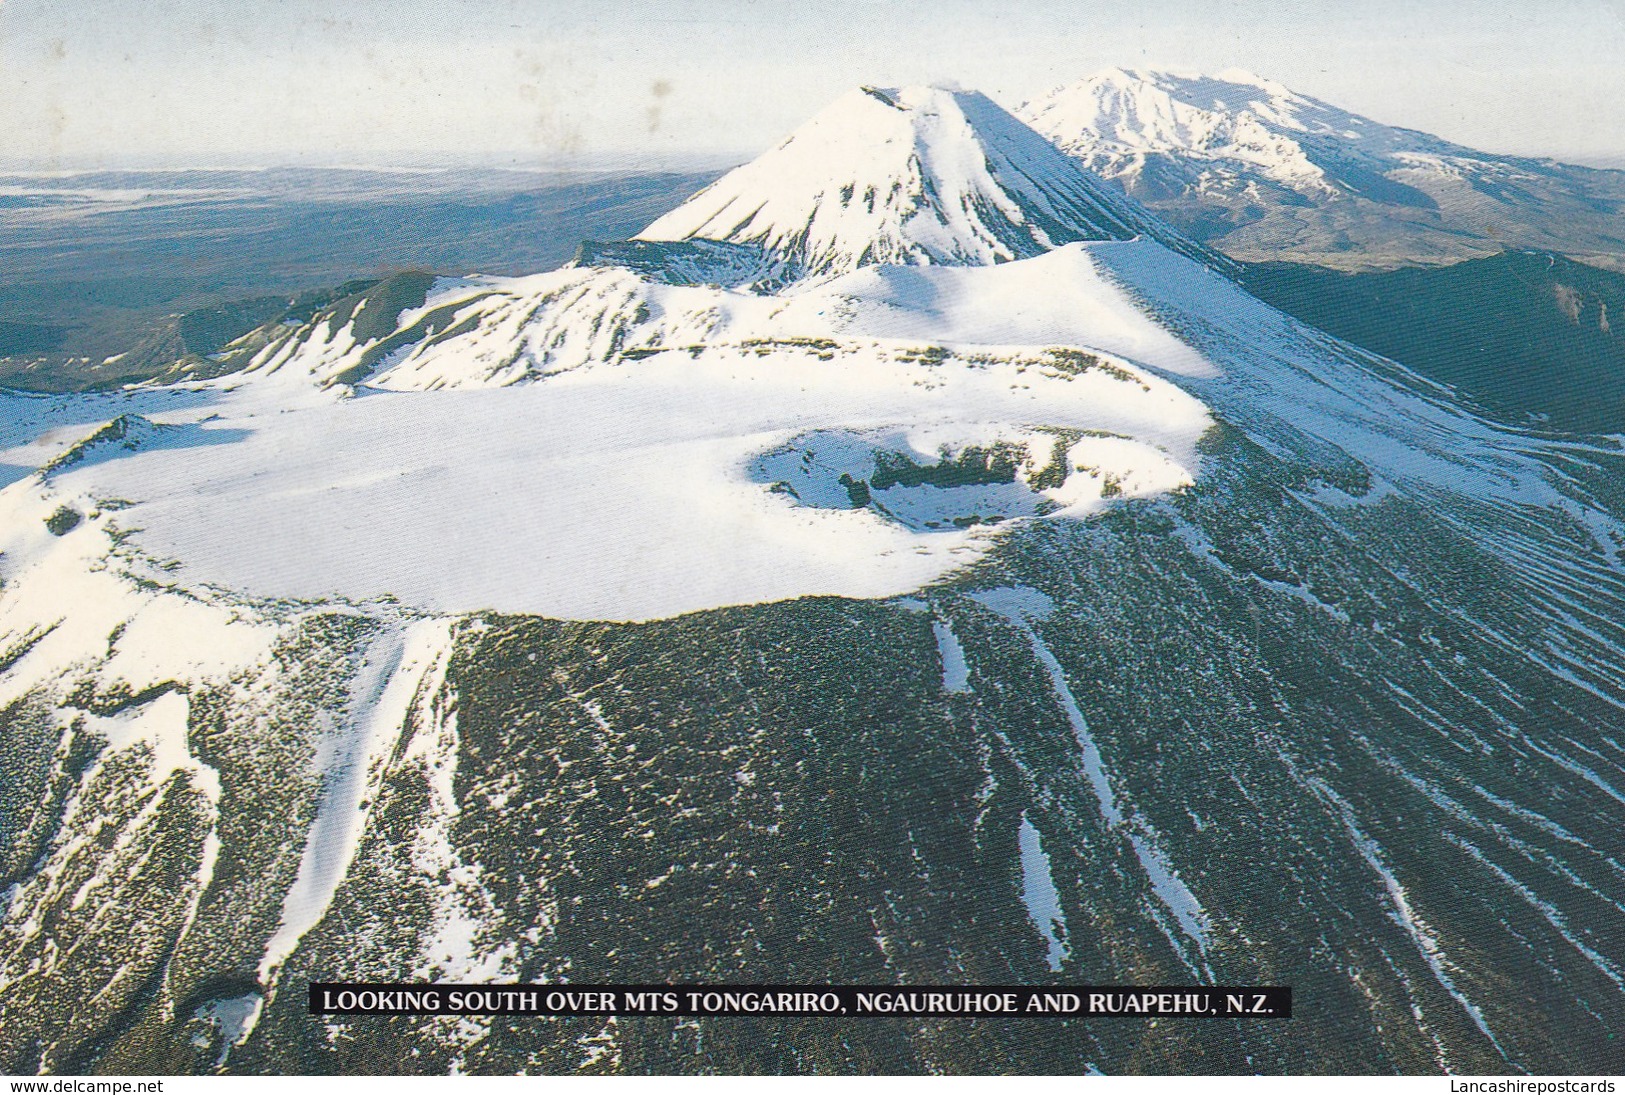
(554, 132)
(659, 89)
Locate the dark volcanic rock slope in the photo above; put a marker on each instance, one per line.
(1259, 740)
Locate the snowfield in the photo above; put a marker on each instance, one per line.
(626, 491)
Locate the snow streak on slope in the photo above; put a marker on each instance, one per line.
(402, 669)
(1022, 607)
(1403, 914)
(1297, 390)
(910, 176)
(661, 430)
(1039, 895)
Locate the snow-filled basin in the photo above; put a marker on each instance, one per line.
(610, 492)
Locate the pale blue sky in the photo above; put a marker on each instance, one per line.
(570, 83)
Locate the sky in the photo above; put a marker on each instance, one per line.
(576, 84)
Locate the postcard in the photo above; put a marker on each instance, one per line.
(824, 539)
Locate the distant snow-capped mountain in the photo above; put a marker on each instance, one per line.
(1263, 172)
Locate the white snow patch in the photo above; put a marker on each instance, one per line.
(382, 696)
(234, 1019)
(955, 673)
(1546, 909)
(1038, 893)
(160, 725)
(456, 947)
(1169, 887)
